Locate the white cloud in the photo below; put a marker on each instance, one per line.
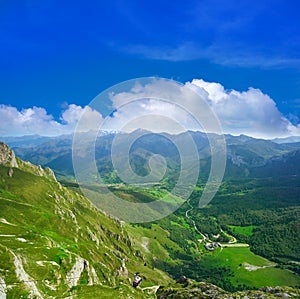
(72, 114)
(36, 120)
(89, 119)
(249, 112)
(149, 114)
(158, 105)
(162, 106)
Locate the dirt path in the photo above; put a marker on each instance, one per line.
(232, 238)
(224, 245)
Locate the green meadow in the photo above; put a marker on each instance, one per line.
(243, 230)
(249, 269)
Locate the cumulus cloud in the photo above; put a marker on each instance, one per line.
(249, 112)
(158, 105)
(90, 119)
(162, 106)
(36, 120)
(149, 114)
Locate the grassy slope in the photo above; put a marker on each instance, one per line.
(48, 223)
(237, 259)
(52, 226)
(243, 230)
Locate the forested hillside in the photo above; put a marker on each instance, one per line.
(246, 238)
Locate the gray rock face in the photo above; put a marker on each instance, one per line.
(8, 159)
(191, 289)
(2, 288)
(10, 172)
(202, 290)
(7, 156)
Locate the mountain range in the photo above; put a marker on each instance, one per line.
(246, 156)
(54, 243)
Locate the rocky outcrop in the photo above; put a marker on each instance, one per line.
(195, 290)
(25, 278)
(57, 243)
(74, 274)
(2, 288)
(49, 173)
(37, 170)
(203, 290)
(7, 156)
(8, 159)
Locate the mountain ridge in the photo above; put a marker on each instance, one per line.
(82, 252)
(78, 245)
(246, 156)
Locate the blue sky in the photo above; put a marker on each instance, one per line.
(54, 54)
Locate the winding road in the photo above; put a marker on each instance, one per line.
(232, 243)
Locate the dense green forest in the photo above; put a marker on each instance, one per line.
(271, 205)
(263, 213)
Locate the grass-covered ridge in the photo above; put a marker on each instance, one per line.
(66, 246)
(62, 243)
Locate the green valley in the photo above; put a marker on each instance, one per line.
(55, 243)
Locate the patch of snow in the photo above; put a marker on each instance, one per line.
(17, 202)
(103, 265)
(25, 278)
(7, 235)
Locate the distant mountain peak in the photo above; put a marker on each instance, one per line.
(291, 139)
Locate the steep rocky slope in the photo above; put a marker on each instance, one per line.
(55, 243)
